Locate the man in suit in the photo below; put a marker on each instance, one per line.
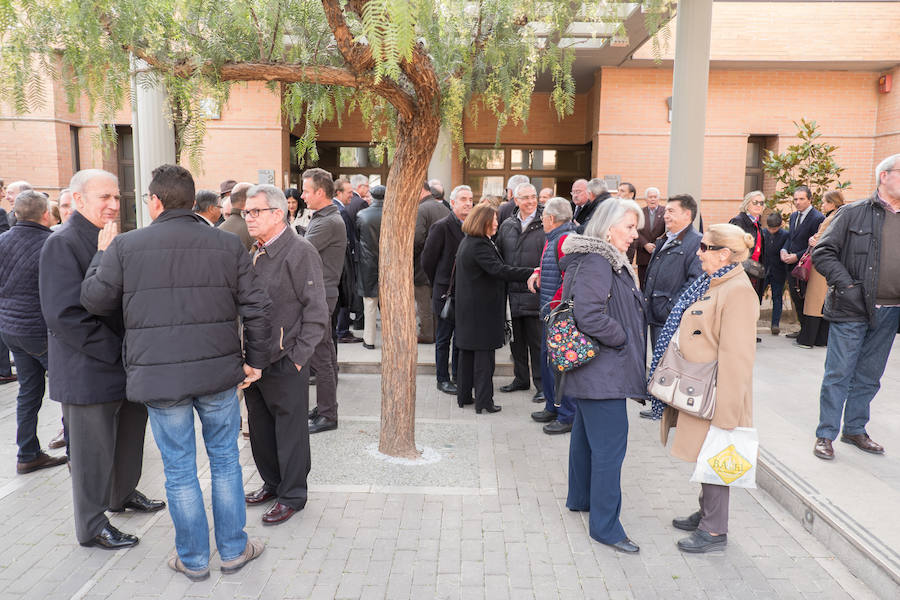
(106, 431)
(430, 211)
(587, 196)
(348, 298)
(234, 222)
(508, 208)
(360, 198)
(208, 207)
(654, 226)
(804, 222)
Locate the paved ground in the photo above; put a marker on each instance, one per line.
(487, 521)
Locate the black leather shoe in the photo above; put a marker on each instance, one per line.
(368, 346)
(648, 414)
(313, 413)
(793, 336)
(465, 402)
(555, 428)
(700, 542)
(140, 503)
(446, 387)
(538, 397)
(491, 408)
(320, 424)
(626, 546)
(263, 494)
(515, 386)
(543, 416)
(688, 523)
(111, 538)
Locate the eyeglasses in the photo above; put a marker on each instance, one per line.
(254, 212)
(145, 198)
(704, 247)
(759, 202)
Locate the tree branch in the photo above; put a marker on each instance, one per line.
(259, 33)
(358, 56)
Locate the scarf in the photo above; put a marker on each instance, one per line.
(673, 321)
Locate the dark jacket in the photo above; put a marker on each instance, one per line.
(584, 214)
(776, 270)
(368, 226)
(506, 210)
(20, 302)
(670, 272)
(430, 212)
(480, 291)
(522, 249)
(84, 350)
(348, 295)
(551, 274)
(849, 256)
(798, 236)
(290, 271)
(439, 253)
(608, 306)
(328, 235)
(744, 221)
(357, 204)
(181, 286)
(647, 234)
(235, 224)
(4, 220)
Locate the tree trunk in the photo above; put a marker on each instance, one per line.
(417, 138)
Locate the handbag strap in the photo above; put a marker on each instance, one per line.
(570, 295)
(452, 279)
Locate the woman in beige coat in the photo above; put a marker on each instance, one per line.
(719, 325)
(816, 328)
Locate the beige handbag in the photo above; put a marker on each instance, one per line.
(687, 386)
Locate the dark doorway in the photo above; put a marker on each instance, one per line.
(125, 171)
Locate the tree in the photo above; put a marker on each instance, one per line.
(409, 66)
(809, 163)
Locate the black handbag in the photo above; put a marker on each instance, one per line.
(448, 311)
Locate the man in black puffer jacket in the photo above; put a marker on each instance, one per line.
(521, 242)
(182, 286)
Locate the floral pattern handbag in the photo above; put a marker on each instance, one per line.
(567, 347)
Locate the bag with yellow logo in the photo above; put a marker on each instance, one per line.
(728, 457)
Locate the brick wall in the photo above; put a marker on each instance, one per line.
(887, 126)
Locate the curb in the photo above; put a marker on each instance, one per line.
(863, 553)
(374, 368)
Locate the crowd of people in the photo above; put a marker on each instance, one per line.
(261, 285)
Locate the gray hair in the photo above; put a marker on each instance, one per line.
(749, 197)
(521, 187)
(457, 190)
(358, 180)
(651, 189)
(31, 206)
(64, 192)
(274, 197)
(610, 212)
(597, 186)
(515, 181)
(19, 187)
(81, 179)
(885, 165)
(559, 209)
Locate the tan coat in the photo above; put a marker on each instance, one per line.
(817, 287)
(720, 326)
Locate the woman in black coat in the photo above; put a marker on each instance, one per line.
(608, 307)
(480, 291)
(749, 219)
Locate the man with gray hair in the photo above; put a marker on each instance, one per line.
(289, 269)
(587, 196)
(22, 327)
(863, 306)
(12, 191)
(509, 206)
(360, 198)
(430, 211)
(654, 226)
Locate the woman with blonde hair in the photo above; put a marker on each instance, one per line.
(814, 331)
(749, 219)
(716, 321)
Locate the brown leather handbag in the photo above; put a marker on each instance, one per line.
(688, 386)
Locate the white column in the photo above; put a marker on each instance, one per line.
(152, 131)
(689, 87)
(440, 166)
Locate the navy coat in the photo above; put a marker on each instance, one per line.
(439, 253)
(20, 251)
(522, 249)
(84, 350)
(670, 272)
(798, 235)
(609, 307)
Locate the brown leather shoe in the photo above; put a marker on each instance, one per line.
(823, 449)
(279, 513)
(59, 441)
(863, 442)
(263, 494)
(43, 461)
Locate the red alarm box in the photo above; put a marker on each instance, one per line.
(884, 83)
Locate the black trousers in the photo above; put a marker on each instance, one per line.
(526, 341)
(277, 408)
(323, 363)
(813, 331)
(476, 370)
(106, 450)
(797, 290)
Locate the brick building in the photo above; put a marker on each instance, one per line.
(771, 63)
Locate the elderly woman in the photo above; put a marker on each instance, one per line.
(481, 278)
(748, 219)
(608, 307)
(557, 222)
(814, 328)
(717, 317)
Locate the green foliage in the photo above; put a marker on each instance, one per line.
(810, 163)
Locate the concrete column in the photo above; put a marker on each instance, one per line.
(440, 166)
(689, 86)
(152, 131)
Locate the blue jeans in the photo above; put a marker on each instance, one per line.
(5, 365)
(173, 429)
(777, 297)
(446, 355)
(30, 354)
(857, 355)
(565, 412)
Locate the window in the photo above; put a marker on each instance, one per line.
(557, 167)
(754, 176)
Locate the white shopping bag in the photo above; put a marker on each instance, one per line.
(728, 457)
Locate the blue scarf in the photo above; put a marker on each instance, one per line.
(690, 295)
